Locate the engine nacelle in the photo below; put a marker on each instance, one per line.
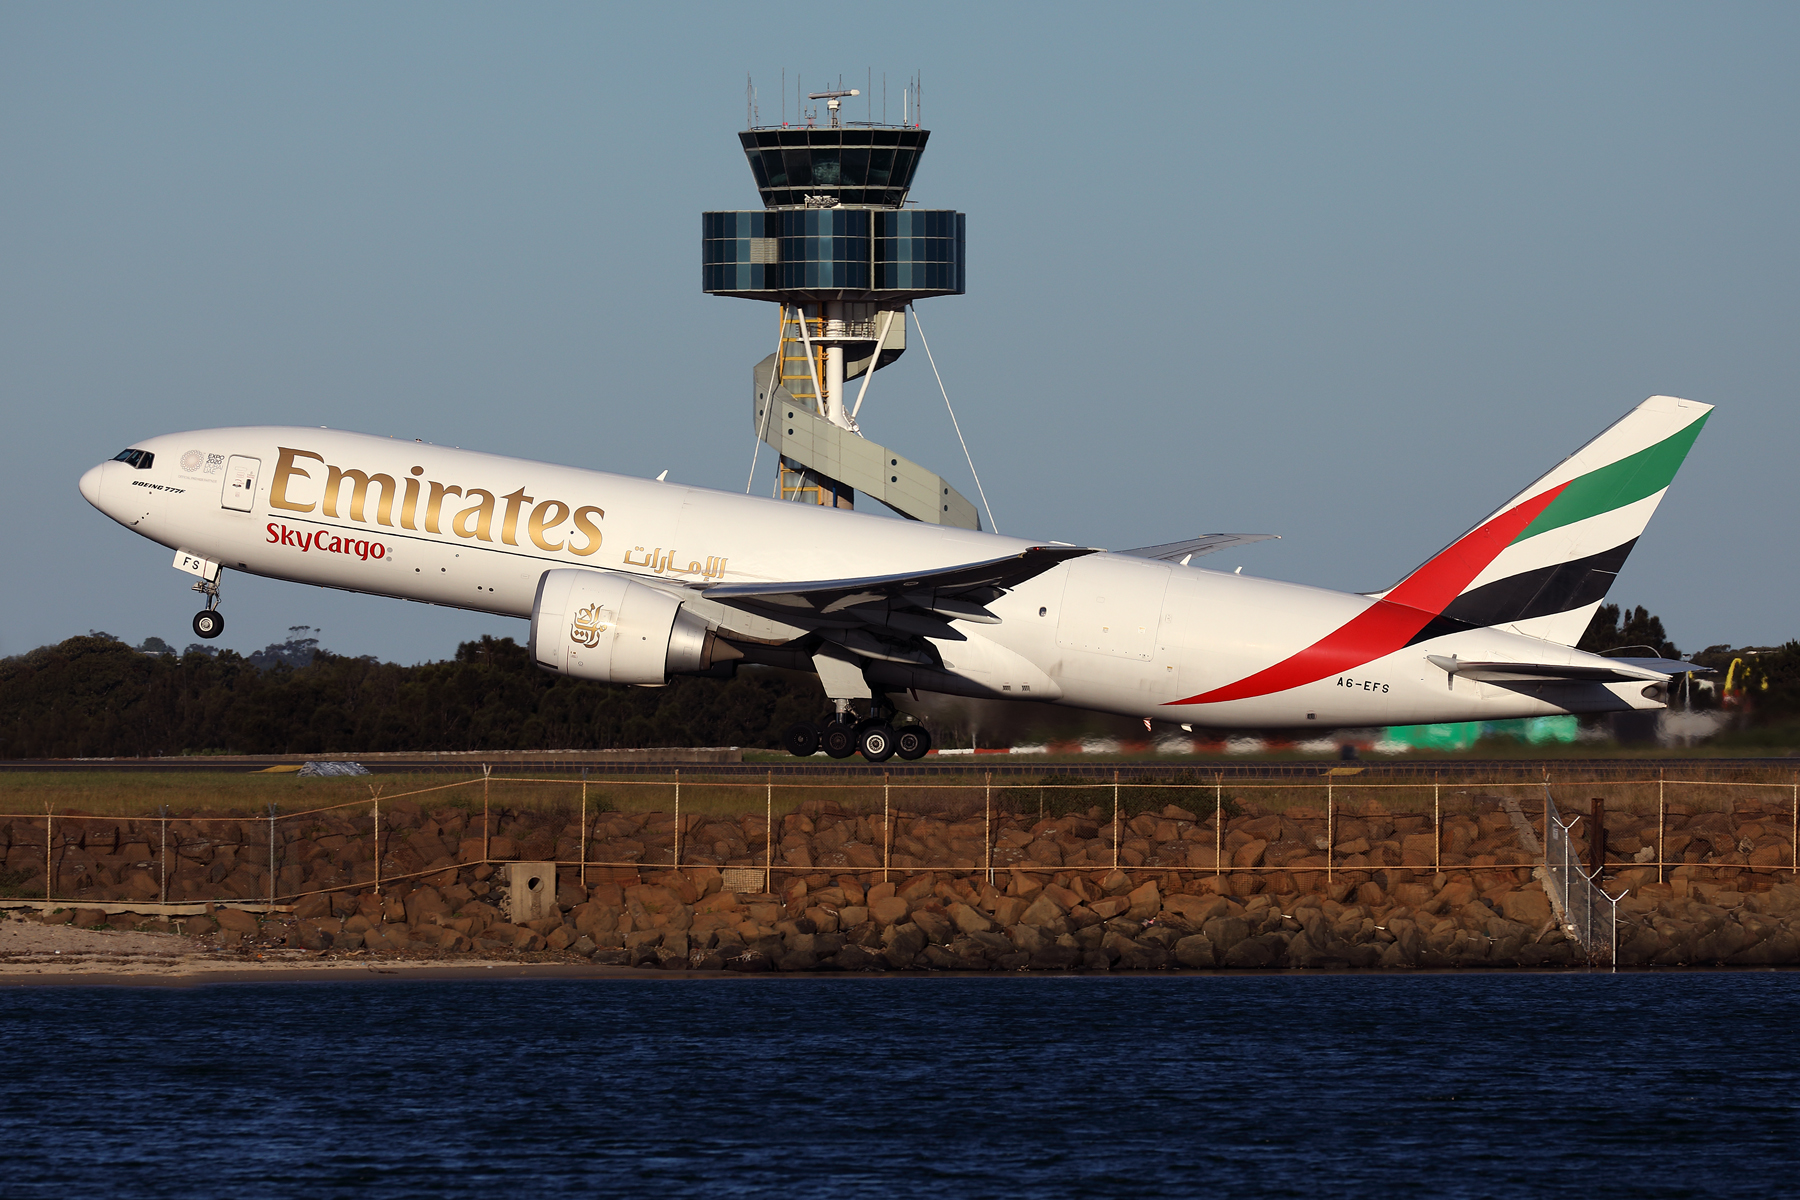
(597, 625)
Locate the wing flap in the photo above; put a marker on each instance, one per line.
(956, 593)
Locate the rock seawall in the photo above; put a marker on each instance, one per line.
(967, 893)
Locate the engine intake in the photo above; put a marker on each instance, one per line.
(598, 625)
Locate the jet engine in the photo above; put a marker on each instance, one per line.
(599, 625)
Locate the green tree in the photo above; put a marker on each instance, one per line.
(1638, 630)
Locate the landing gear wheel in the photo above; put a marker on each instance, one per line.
(801, 741)
(911, 742)
(876, 742)
(838, 739)
(208, 623)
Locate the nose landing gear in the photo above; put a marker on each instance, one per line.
(209, 622)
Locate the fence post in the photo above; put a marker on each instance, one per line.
(272, 808)
(378, 843)
(1218, 825)
(1615, 930)
(769, 831)
(49, 841)
(887, 819)
(163, 857)
(584, 827)
(1794, 840)
(1437, 822)
(1329, 836)
(677, 862)
(1116, 831)
(1661, 824)
(987, 829)
(487, 773)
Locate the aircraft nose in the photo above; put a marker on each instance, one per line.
(90, 485)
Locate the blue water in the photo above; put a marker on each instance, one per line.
(1278, 1085)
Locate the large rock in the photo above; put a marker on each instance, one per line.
(1058, 955)
(1527, 906)
(968, 920)
(888, 910)
(425, 904)
(1144, 902)
(937, 927)
(1195, 910)
(1256, 953)
(1108, 908)
(1194, 951)
(653, 906)
(235, 921)
(1225, 933)
(1250, 854)
(901, 944)
(858, 958)
(1043, 913)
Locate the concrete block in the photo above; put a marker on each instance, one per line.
(531, 891)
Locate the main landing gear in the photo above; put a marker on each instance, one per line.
(209, 622)
(877, 738)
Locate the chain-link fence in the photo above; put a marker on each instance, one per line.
(1587, 913)
(1384, 841)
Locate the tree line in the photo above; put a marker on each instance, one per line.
(95, 696)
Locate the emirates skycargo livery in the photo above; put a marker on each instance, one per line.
(633, 581)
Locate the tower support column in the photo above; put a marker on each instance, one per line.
(835, 410)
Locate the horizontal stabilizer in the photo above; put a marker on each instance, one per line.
(1666, 666)
(1500, 672)
(1207, 543)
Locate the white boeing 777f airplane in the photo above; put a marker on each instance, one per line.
(633, 581)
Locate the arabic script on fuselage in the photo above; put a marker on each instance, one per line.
(664, 564)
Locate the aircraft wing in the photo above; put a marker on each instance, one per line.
(1206, 543)
(887, 616)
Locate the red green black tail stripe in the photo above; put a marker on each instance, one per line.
(1390, 623)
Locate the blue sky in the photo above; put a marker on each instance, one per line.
(1351, 274)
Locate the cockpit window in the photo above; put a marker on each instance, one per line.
(141, 459)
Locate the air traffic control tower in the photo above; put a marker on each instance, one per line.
(836, 247)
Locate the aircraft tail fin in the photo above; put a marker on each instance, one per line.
(1542, 563)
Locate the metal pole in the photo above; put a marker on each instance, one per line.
(584, 826)
(1437, 823)
(1115, 830)
(378, 843)
(987, 825)
(49, 840)
(1328, 831)
(487, 773)
(887, 823)
(1794, 839)
(769, 831)
(1661, 824)
(677, 862)
(272, 809)
(163, 858)
(1219, 825)
(1615, 929)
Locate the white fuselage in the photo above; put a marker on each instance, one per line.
(477, 531)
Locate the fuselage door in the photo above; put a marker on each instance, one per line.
(240, 482)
